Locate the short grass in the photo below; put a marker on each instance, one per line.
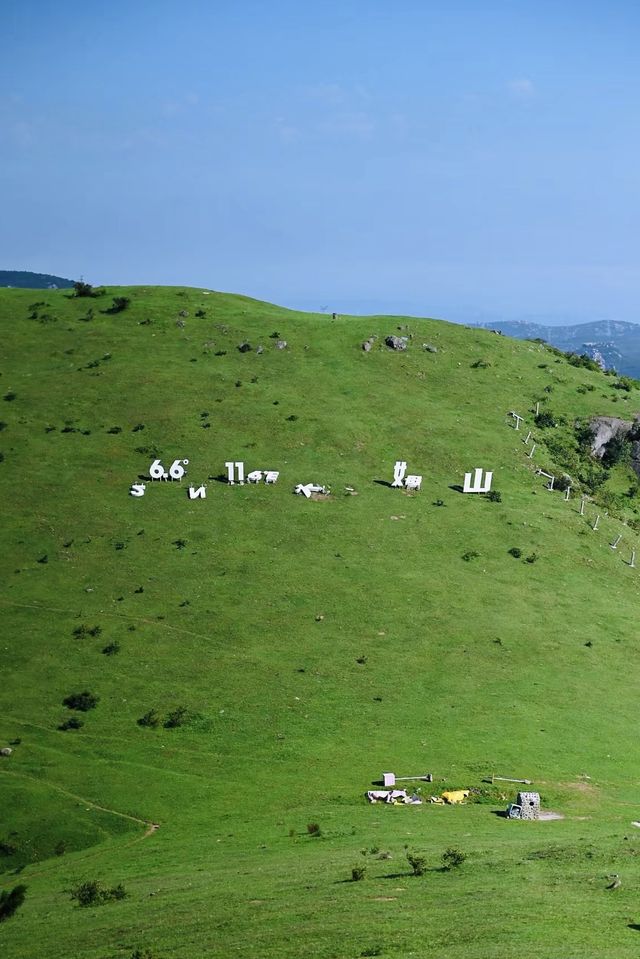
(314, 644)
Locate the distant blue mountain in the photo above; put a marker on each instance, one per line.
(612, 343)
(22, 279)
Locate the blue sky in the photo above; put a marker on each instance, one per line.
(469, 160)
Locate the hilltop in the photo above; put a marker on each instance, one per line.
(284, 652)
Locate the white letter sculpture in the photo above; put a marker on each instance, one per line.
(199, 493)
(477, 486)
(254, 476)
(413, 482)
(137, 489)
(271, 476)
(310, 488)
(398, 473)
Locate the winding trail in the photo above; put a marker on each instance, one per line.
(150, 827)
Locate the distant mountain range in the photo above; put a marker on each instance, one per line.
(612, 343)
(23, 279)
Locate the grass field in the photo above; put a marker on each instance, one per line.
(313, 644)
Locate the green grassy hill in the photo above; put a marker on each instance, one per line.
(313, 644)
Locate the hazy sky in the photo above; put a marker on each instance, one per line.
(469, 160)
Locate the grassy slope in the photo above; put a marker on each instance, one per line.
(471, 667)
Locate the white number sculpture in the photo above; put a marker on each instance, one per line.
(156, 470)
(231, 468)
(137, 489)
(199, 493)
(271, 476)
(254, 476)
(413, 482)
(176, 470)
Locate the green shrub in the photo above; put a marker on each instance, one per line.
(494, 496)
(151, 719)
(314, 829)
(358, 873)
(452, 858)
(515, 552)
(471, 554)
(92, 893)
(112, 648)
(83, 701)
(418, 864)
(10, 902)
(72, 723)
(533, 558)
(545, 419)
(80, 288)
(175, 718)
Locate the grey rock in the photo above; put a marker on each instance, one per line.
(429, 348)
(245, 347)
(6, 751)
(396, 342)
(604, 428)
(260, 349)
(281, 345)
(181, 324)
(183, 313)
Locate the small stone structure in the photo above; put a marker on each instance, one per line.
(526, 806)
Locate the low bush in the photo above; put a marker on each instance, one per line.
(469, 555)
(112, 648)
(532, 558)
(494, 496)
(314, 829)
(83, 701)
(150, 719)
(10, 902)
(418, 864)
(515, 552)
(358, 873)
(72, 723)
(92, 893)
(452, 858)
(176, 718)
(545, 419)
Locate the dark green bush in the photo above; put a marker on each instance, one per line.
(471, 554)
(452, 858)
(175, 718)
(545, 419)
(72, 723)
(515, 552)
(83, 701)
(314, 829)
(418, 864)
(150, 719)
(92, 893)
(10, 902)
(494, 496)
(358, 873)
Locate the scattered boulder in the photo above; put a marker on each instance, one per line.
(6, 751)
(396, 342)
(183, 313)
(244, 347)
(429, 348)
(259, 349)
(180, 324)
(281, 345)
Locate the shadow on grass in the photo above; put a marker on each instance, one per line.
(220, 478)
(383, 483)
(634, 925)
(457, 488)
